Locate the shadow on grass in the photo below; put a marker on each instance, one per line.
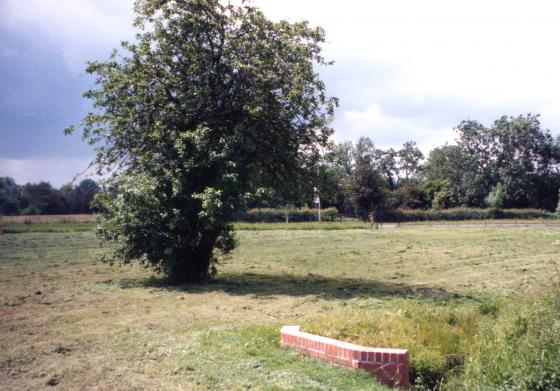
(262, 285)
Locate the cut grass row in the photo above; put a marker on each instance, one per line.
(70, 226)
(16, 228)
(436, 292)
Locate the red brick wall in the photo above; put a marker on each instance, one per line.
(389, 366)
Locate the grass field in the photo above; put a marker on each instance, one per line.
(84, 223)
(69, 321)
(48, 223)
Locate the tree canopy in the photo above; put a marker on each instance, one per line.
(42, 198)
(210, 102)
(514, 152)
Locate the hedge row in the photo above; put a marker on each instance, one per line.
(266, 215)
(457, 214)
(269, 215)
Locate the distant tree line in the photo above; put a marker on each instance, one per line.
(512, 164)
(42, 198)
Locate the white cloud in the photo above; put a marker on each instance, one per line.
(57, 171)
(479, 59)
(389, 131)
(405, 69)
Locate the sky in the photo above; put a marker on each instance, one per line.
(404, 70)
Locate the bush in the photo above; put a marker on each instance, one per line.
(269, 215)
(496, 197)
(409, 196)
(31, 210)
(459, 214)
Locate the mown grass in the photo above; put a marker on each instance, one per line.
(253, 352)
(306, 226)
(356, 224)
(12, 227)
(487, 222)
(17, 227)
(65, 318)
(48, 223)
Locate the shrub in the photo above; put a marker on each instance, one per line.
(269, 215)
(495, 199)
(411, 195)
(31, 210)
(459, 214)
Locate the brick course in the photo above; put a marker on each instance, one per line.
(389, 366)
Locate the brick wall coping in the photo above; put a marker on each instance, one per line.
(348, 345)
(389, 366)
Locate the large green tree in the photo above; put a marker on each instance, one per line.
(209, 101)
(409, 157)
(450, 177)
(10, 196)
(44, 199)
(514, 151)
(367, 182)
(80, 197)
(526, 160)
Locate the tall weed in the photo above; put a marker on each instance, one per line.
(520, 351)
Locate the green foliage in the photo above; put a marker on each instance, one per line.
(80, 196)
(514, 151)
(10, 197)
(444, 173)
(367, 183)
(267, 215)
(409, 160)
(386, 162)
(495, 199)
(411, 195)
(42, 198)
(351, 175)
(31, 210)
(211, 102)
(458, 214)
(436, 193)
(442, 198)
(489, 307)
